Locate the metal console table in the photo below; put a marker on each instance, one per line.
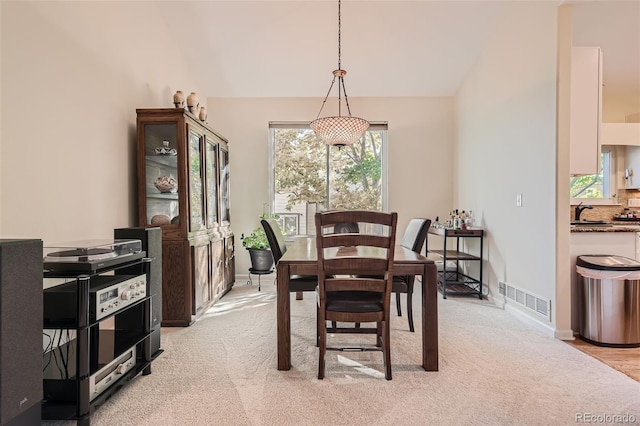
(457, 280)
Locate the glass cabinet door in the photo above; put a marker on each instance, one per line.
(224, 186)
(196, 194)
(211, 180)
(161, 173)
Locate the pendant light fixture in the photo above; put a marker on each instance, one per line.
(343, 129)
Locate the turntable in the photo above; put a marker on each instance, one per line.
(90, 256)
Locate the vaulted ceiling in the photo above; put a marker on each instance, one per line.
(389, 48)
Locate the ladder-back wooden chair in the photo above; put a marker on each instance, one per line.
(343, 295)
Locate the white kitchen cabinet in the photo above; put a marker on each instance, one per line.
(620, 134)
(615, 243)
(585, 110)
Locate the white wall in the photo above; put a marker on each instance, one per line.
(506, 145)
(73, 74)
(420, 152)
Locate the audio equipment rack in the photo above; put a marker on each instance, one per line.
(98, 317)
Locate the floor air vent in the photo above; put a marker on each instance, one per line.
(530, 301)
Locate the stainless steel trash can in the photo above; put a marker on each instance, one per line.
(609, 294)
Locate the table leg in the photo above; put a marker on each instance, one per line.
(283, 314)
(430, 317)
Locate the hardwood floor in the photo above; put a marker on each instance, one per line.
(625, 360)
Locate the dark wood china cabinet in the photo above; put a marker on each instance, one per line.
(183, 187)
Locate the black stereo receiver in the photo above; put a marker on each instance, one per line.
(107, 294)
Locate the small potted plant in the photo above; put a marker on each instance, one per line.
(258, 246)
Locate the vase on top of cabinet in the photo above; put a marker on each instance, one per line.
(183, 175)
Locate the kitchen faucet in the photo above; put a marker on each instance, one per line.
(580, 209)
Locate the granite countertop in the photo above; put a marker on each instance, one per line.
(613, 226)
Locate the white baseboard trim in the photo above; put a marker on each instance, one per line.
(565, 335)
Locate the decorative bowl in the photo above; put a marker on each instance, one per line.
(160, 219)
(166, 184)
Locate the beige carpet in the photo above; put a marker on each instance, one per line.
(494, 370)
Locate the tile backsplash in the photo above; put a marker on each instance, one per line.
(608, 212)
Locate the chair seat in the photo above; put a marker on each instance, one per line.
(303, 283)
(305, 277)
(352, 301)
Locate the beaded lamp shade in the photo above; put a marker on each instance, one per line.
(339, 130)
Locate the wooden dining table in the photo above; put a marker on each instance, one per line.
(301, 259)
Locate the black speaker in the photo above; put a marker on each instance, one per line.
(20, 332)
(151, 243)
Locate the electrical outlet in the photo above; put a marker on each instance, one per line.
(519, 200)
(634, 202)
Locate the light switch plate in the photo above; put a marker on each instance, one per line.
(634, 202)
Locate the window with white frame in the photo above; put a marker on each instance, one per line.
(309, 176)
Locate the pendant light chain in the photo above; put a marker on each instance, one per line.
(339, 36)
(337, 73)
(342, 72)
